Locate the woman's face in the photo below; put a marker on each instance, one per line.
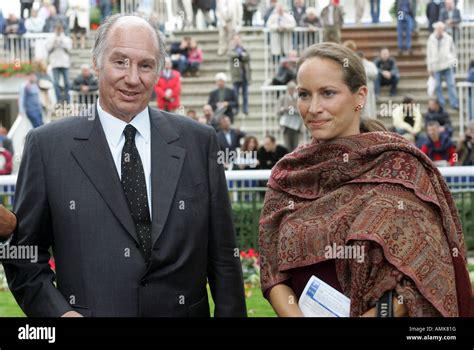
(252, 145)
(325, 102)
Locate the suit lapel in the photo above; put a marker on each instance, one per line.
(166, 164)
(94, 157)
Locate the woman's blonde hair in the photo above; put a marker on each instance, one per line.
(353, 72)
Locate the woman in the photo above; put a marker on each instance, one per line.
(78, 13)
(194, 59)
(407, 120)
(248, 154)
(358, 186)
(46, 86)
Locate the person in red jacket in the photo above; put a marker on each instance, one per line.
(6, 162)
(168, 88)
(439, 146)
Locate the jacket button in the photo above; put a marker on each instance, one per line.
(144, 282)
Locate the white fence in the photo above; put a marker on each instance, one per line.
(455, 176)
(464, 37)
(466, 104)
(297, 39)
(19, 49)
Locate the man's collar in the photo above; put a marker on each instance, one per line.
(113, 126)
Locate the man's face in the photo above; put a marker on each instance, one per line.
(129, 68)
(237, 40)
(168, 64)
(225, 123)
(449, 4)
(86, 72)
(32, 78)
(433, 131)
(433, 106)
(220, 83)
(384, 54)
(207, 110)
(439, 29)
(280, 9)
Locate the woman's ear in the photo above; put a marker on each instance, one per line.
(362, 95)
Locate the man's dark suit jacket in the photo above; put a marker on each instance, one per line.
(229, 96)
(235, 136)
(69, 197)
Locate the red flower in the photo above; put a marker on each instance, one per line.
(5, 75)
(52, 264)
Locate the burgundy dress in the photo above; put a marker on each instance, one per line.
(324, 270)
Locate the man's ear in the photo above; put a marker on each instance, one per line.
(95, 68)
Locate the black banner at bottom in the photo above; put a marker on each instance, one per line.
(452, 333)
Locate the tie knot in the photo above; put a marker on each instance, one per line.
(130, 132)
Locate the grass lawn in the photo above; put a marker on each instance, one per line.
(8, 305)
(257, 306)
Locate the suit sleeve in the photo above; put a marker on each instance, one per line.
(224, 270)
(212, 100)
(31, 281)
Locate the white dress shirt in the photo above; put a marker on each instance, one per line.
(113, 129)
(228, 137)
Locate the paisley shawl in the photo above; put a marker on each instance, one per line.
(377, 192)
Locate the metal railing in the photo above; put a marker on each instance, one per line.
(270, 119)
(464, 38)
(158, 8)
(19, 49)
(298, 39)
(466, 103)
(81, 102)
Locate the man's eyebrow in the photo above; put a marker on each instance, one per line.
(118, 54)
(148, 60)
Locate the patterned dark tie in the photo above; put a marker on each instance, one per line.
(134, 186)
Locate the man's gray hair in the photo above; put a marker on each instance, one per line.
(100, 44)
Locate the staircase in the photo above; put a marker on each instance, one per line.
(413, 72)
(369, 39)
(195, 90)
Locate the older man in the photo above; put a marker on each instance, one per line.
(133, 199)
(223, 99)
(441, 60)
(86, 81)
